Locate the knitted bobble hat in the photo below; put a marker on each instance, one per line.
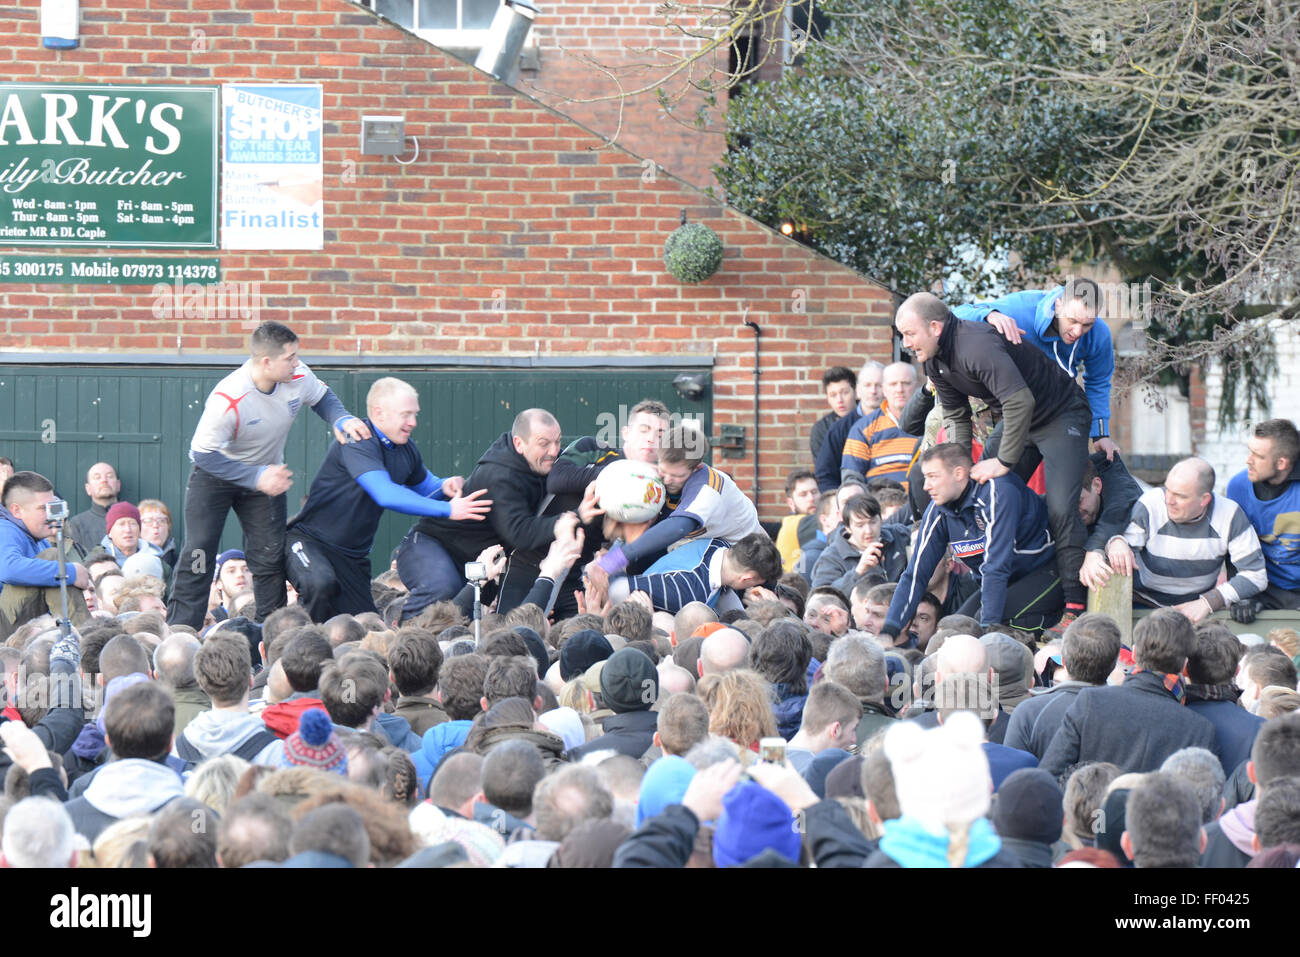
(315, 745)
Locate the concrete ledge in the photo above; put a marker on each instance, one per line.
(1264, 622)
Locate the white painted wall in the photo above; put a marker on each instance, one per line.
(1226, 451)
(1165, 429)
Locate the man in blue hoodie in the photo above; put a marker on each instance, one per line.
(29, 571)
(1063, 323)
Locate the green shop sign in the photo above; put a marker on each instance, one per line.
(148, 270)
(108, 165)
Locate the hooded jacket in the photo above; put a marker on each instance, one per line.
(18, 550)
(215, 732)
(1228, 841)
(122, 789)
(437, 743)
(1034, 312)
(396, 730)
(516, 492)
(998, 530)
(482, 739)
(836, 565)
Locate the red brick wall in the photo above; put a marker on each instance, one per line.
(508, 199)
(573, 34)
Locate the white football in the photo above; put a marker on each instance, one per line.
(630, 491)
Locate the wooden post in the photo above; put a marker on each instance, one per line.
(1115, 598)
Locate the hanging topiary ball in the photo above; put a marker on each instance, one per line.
(693, 252)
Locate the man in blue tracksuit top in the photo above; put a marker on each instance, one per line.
(999, 530)
(1062, 323)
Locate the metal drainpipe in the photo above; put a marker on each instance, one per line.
(757, 372)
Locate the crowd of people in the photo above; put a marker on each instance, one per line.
(899, 673)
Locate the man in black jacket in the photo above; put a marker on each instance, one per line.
(432, 557)
(1045, 416)
(1106, 507)
(629, 686)
(1088, 652)
(1140, 723)
(566, 487)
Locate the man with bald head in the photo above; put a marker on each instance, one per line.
(1045, 417)
(102, 488)
(689, 617)
(329, 541)
(674, 679)
(724, 650)
(173, 664)
(511, 475)
(1177, 543)
(878, 447)
(965, 656)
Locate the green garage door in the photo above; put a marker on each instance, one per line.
(60, 420)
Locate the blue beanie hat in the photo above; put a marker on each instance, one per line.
(224, 557)
(754, 820)
(664, 783)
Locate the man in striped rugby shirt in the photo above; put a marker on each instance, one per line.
(706, 570)
(1178, 541)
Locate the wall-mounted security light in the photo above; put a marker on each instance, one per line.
(59, 24)
(383, 135)
(691, 385)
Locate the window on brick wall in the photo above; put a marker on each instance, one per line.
(447, 23)
(805, 22)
